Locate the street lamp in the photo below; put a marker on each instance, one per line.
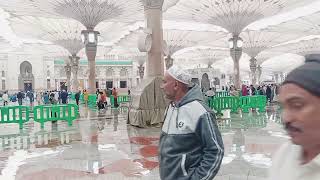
(253, 69)
(239, 43)
(235, 40)
(90, 37)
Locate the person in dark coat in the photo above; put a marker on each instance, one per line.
(31, 97)
(115, 95)
(77, 97)
(64, 97)
(20, 96)
(268, 93)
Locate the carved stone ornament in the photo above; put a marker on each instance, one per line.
(141, 71)
(153, 4)
(67, 68)
(253, 65)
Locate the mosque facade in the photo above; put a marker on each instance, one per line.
(38, 72)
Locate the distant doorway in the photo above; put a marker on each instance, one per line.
(26, 78)
(27, 87)
(63, 86)
(205, 83)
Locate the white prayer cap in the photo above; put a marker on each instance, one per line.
(180, 74)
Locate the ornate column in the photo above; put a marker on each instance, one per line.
(141, 71)
(276, 77)
(282, 77)
(253, 69)
(236, 53)
(148, 102)
(67, 68)
(74, 62)
(90, 38)
(169, 61)
(259, 73)
(91, 52)
(231, 79)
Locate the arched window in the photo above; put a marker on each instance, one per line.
(205, 83)
(26, 69)
(123, 72)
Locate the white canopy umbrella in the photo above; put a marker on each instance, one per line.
(302, 48)
(89, 12)
(234, 16)
(207, 56)
(5, 45)
(305, 25)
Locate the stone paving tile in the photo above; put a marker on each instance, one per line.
(102, 146)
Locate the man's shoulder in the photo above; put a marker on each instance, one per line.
(195, 109)
(287, 150)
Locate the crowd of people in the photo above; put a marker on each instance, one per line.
(103, 98)
(30, 97)
(60, 97)
(271, 91)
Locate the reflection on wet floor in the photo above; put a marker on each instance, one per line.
(250, 139)
(100, 145)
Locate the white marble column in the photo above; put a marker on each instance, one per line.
(236, 53)
(141, 71)
(276, 77)
(282, 77)
(91, 51)
(259, 73)
(74, 61)
(68, 74)
(253, 69)
(148, 102)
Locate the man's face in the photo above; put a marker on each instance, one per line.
(169, 86)
(301, 115)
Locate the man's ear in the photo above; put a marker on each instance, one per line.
(175, 85)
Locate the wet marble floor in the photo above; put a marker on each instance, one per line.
(100, 145)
